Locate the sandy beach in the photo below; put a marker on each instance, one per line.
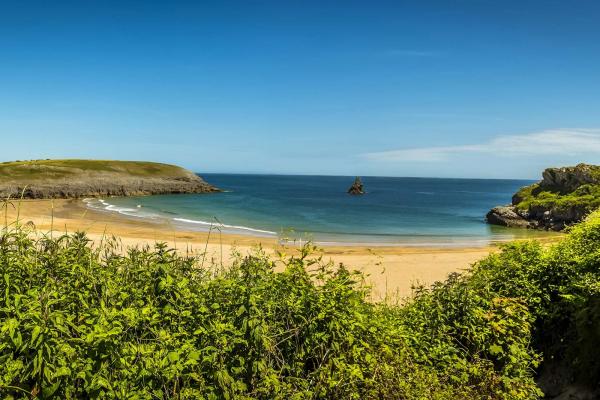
(390, 270)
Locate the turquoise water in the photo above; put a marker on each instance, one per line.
(408, 211)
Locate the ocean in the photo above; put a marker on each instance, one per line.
(395, 211)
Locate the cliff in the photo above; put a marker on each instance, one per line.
(563, 197)
(44, 179)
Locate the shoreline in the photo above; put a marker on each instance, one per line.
(389, 270)
(425, 241)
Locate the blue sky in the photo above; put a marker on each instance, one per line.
(466, 88)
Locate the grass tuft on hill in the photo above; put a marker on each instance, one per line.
(78, 321)
(59, 169)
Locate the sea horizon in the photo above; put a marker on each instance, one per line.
(203, 174)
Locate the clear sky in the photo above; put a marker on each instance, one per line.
(463, 88)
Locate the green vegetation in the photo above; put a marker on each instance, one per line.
(568, 189)
(585, 197)
(55, 169)
(85, 322)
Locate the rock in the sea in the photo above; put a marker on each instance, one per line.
(507, 216)
(357, 187)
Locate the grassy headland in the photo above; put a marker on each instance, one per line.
(79, 321)
(87, 178)
(563, 197)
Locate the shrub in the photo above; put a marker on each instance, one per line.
(585, 197)
(79, 321)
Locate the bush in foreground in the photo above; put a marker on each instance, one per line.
(84, 322)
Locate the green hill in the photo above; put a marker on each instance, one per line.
(87, 178)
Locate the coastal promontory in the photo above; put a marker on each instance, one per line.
(563, 197)
(54, 179)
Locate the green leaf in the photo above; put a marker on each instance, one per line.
(48, 391)
(495, 349)
(35, 333)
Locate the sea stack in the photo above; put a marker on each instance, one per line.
(357, 187)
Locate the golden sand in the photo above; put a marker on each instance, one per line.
(390, 270)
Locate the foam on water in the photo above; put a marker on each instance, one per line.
(103, 205)
(224, 226)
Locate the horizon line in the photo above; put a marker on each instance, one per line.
(362, 176)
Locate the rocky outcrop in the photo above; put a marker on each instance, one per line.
(101, 187)
(507, 216)
(357, 187)
(556, 219)
(536, 217)
(568, 179)
(90, 180)
(541, 205)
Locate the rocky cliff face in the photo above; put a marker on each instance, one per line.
(104, 186)
(538, 217)
(507, 216)
(77, 179)
(563, 197)
(568, 179)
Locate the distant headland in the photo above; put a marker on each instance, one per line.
(563, 197)
(65, 179)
